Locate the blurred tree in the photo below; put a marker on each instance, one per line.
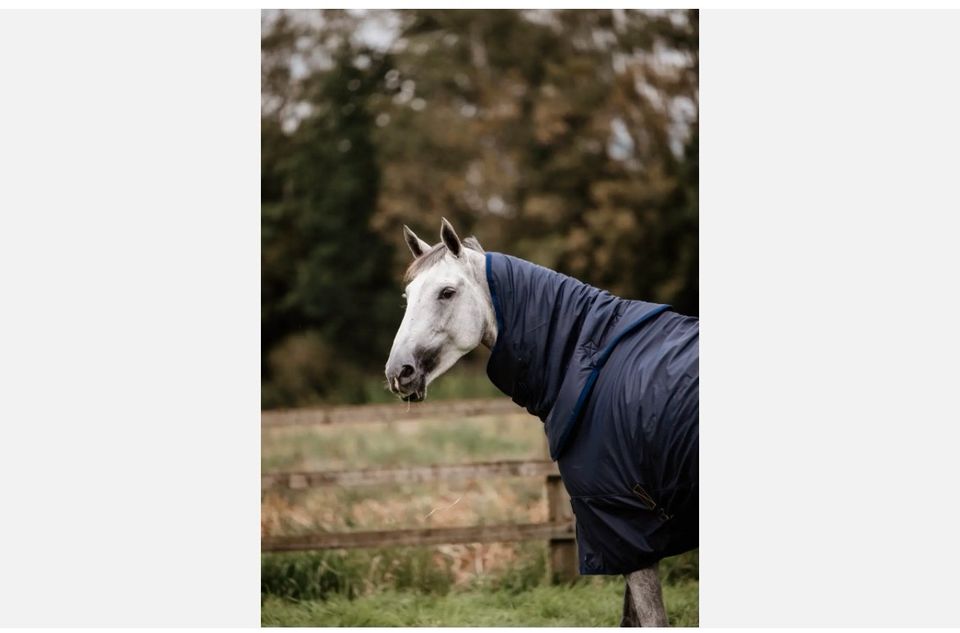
(324, 270)
(560, 136)
(566, 137)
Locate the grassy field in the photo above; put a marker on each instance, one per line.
(415, 587)
(497, 584)
(585, 604)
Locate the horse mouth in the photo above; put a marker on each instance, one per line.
(414, 391)
(416, 396)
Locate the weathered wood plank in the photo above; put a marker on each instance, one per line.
(313, 416)
(419, 536)
(410, 474)
(563, 552)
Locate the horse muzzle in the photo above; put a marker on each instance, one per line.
(407, 381)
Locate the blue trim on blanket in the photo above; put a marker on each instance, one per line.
(496, 303)
(598, 365)
(605, 354)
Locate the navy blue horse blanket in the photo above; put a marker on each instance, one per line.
(616, 383)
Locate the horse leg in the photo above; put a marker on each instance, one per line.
(643, 586)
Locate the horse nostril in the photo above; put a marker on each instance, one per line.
(406, 371)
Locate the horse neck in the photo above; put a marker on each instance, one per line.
(522, 365)
(478, 267)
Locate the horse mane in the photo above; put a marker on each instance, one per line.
(434, 255)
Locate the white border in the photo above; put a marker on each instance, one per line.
(129, 266)
(129, 443)
(828, 223)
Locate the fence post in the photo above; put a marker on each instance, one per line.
(563, 551)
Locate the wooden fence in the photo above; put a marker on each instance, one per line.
(558, 531)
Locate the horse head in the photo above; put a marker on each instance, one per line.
(449, 311)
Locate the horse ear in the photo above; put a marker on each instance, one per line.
(449, 237)
(417, 246)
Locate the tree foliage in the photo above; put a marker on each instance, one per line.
(565, 137)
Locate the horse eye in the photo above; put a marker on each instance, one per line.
(446, 293)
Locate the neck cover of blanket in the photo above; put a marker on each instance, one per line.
(616, 385)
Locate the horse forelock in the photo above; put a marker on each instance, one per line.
(434, 256)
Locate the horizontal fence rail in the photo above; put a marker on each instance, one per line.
(314, 416)
(557, 531)
(407, 474)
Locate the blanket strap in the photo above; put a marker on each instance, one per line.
(566, 428)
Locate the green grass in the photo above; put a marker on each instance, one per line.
(407, 587)
(593, 602)
(466, 379)
(355, 573)
(518, 436)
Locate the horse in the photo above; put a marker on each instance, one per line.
(615, 381)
